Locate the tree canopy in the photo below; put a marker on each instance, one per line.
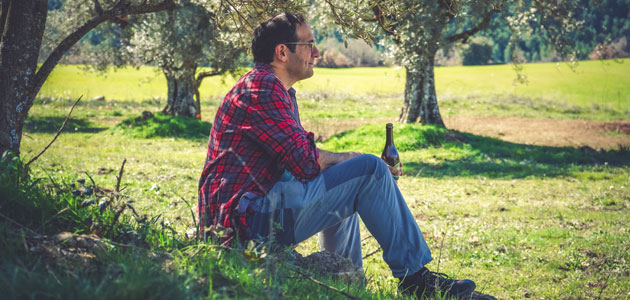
(418, 29)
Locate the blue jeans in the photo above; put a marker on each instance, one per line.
(331, 204)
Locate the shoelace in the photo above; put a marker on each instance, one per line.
(438, 279)
(439, 275)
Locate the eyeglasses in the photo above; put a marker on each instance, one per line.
(310, 44)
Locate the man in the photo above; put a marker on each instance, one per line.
(265, 179)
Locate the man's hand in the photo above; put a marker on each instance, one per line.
(395, 171)
(328, 159)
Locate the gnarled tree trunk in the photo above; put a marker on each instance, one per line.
(182, 88)
(22, 23)
(420, 103)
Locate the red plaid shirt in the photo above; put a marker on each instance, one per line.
(255, 137)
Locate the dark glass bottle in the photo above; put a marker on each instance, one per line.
(390, 154)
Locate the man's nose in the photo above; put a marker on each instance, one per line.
(315, 52)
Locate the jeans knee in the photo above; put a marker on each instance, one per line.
(376, 165)
(365, 165)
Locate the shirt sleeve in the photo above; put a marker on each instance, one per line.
(281, 136)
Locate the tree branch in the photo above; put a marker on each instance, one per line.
(203, 75)
(56, 135)
(6, 5)
(468, 33)
(121, 8)
(309, 277)
(97, 7)
(119, 177)
(372, 253)
(448, 5)
(241, 17)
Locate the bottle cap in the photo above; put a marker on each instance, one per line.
(389, 125)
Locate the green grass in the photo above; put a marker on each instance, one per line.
(601, 83)
(521, 220)
(161, 125)
(534, 220)
(553, 217)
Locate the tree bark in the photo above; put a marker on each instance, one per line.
(22, 25)
(420, 103)
(19, 47)
(182, 88)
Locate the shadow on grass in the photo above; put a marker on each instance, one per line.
(494, 158)
(51, 124)
(159, 125)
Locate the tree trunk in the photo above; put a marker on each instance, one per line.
(182, 88)
(420, 99)
(22, 25)
(20, 41)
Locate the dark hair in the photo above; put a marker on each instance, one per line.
(277, 30)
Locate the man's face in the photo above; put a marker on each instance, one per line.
(300, 63)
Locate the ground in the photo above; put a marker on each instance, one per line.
(546, 132)
(551, 222)
(532, 131)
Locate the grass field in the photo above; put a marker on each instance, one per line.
(603, 83)
(523, 221)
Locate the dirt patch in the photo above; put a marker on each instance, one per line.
(66, 249)
(326, 264)
(547, 132)
(543, 132)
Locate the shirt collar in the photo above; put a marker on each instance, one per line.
(267, 68)
(264, 67)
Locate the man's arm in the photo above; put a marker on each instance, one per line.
(271, 125)
(328, 159)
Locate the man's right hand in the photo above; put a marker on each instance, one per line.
(395, 171)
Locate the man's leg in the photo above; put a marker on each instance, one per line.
(344, 238)
(362, 184)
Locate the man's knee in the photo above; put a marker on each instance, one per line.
(360, 166)
(375, 164)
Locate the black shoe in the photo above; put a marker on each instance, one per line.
(426, 284)
(480, 296)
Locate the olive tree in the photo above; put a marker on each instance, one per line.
(418, 29)
(22, 24)
(178, 42)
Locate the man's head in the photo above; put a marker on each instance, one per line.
(287, 43)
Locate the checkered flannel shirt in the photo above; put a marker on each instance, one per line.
(255, 137)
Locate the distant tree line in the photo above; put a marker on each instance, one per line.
(604, 26)
(604, 33)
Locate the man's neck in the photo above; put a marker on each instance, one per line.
(282, 74)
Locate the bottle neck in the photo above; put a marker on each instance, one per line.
(389, 136)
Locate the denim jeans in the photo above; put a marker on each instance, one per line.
(331, 204)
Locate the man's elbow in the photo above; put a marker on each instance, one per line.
(311, 171)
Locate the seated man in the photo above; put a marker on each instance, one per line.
(265, 179)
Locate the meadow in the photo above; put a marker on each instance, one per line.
(602, 83)
(523, 221)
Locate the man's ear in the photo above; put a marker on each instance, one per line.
(281, 52)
